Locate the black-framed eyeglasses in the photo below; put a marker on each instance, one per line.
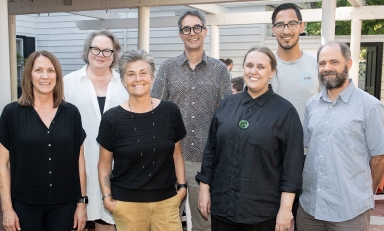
(96, 51)
(292, 25)
(187, 30)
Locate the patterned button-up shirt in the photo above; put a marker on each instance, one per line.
(197, 92)
(341, 137)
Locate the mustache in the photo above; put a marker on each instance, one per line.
(328, 73)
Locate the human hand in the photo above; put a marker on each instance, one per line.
(283, 220)
(80, 217)
(182, 192)
(204, 203)
(109, 204)
(11, 220)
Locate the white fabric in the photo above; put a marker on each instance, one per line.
(79, 90)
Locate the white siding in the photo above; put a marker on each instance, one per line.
(25, 25)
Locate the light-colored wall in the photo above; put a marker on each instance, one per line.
(26, 25)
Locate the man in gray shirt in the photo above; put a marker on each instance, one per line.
(344, 133)
(296, 77)
(196, 83)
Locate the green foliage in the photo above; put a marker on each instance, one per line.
(20, 59)
(369, 27)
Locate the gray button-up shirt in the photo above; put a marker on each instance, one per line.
(341, 137)
(197, 92)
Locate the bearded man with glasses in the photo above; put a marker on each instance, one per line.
(196, 83)
(296, 76)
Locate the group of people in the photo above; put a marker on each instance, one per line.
(131, 145)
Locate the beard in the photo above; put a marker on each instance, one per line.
(334, 83)
(287, 46)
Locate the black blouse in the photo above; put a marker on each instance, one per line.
(44, 161)
(130, 181)
(247, 169)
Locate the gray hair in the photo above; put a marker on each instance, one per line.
(133, 56)
(193, 13)
(344, 48)
(115, 43)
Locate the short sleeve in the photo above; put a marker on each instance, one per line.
(375, 130)
(181, 131)
(5, 127)
(105, 136)
(159, 89)
(79, 127)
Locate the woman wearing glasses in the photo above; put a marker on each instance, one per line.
(94, 89)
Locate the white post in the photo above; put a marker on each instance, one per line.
(143, 29)
(355, 49)
(12, 56)
(5, 81)
(215, 41)
(328, 21)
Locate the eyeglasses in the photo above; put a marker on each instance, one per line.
(187, 30)
(96, 51)
(292, 25)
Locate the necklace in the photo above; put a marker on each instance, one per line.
(137, 137)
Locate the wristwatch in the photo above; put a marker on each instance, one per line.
(83, 200)
(179, 186)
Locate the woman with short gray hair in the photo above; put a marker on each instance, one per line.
(94, 89)
(142, 139)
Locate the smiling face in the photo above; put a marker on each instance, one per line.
(137, 79)
(333, 68)
(257, 73)
(287, 38)
(192, 41)
(99, 61)
(43, 76)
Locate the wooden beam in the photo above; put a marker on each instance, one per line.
(98, 14)
(50, 6)
(211, 8)
(357, 2)
(310, 15)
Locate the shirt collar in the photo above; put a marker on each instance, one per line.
(261, 100)
(183, 58)
(83, 74)
(344, 96)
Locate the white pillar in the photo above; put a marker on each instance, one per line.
(328, 21)
(215, 41)
(143, 31)
(355, 49)
(12, 56)
(5, 81)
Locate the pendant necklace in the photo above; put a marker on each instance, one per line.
(244, 124)
(153, 135)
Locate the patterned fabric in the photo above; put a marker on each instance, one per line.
(197, 92)
(341, 137)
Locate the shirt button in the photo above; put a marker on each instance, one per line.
(330, 107)
(319, 189)
(323, 139)
(49, 145)
(232, 191)
(50, 185)
(193, 88)
(53, 121)
(249, 110)
(319, 173)
(193, 117)
(321, 156)
(50, 172)
(326, 122)
(193, 130)
(192, 144)
(47, 131)
(49, 158)
(193, 102)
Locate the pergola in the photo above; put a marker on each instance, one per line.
(218, 16)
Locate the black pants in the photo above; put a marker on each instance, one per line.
(218, 225)
(49, 217)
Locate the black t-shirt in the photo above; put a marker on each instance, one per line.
(130, 181)
(44, 161)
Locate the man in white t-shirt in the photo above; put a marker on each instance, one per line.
(296, 78)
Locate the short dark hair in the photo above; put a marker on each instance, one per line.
(27, 97)
(286, 6)
(193, 13)
(344, 48)
(115, 43)
(227, 61)
(238, 83)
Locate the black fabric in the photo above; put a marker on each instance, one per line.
(44, 161)
(247, 169)
(55, 217)
(219, 224)
(130, 181)
(101, 101)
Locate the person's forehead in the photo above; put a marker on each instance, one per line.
(191, 20)
(331, 51)
(284, 15)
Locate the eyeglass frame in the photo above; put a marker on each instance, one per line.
(192, 28)
(102, 51)
(287, 25)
